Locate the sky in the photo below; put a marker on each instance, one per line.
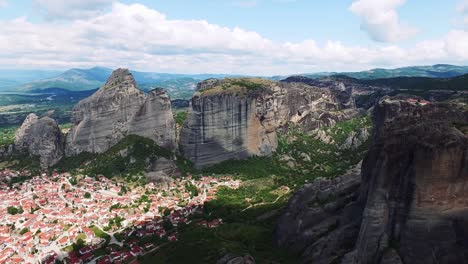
(256, 37)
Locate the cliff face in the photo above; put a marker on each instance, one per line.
(411, 205)
(154, 119)
(415, 185)
(117, 109)
(231, 124)
(239, 118)
(40, 137)
(315, 105)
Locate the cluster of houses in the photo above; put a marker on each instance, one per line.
(43, 216)
(7, 175)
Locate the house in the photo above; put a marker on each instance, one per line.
(104, 260)
(63, 241)
(136, 251)
(85, 250)
(172, 237)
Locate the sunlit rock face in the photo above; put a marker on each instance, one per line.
(239, 118)
(117, 109)
(231, 123)
(154, 119)
(40, 137)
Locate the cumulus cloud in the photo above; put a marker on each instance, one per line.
(71, 9)
(141, 38)
(380, 20)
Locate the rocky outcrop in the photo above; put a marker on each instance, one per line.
(239, 118)
(235, 259)
(154, 119)
(231, 119)
(412, 201)
(321, 221)
(415, 184)
(40, 137)
(313, 105)
(162, 172)
(117, 109)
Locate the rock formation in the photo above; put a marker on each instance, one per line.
(118, 109)
(312, 105)
(320, 221)
(412, 202)
(231, 119)
(415, 184)
(162, 172)
(40, 137)
(239, 118)
(154, 119)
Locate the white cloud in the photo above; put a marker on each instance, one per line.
(141, 38)
(380, 19)
(70, 9)
(3, 3)
(463, 7)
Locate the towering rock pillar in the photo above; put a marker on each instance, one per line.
(117, 109)
(230, 119)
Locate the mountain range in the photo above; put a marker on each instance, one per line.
(182, 85)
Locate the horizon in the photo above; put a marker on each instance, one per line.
(265, 37)
(59, 72)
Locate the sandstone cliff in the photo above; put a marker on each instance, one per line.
(117, 109)
(411, 206)
(239, 118)
(40, 137)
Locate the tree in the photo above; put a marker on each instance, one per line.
(78, 245)
(167, 225)
(12, 210)
(73, 181)
(87, 195)
(23, 231)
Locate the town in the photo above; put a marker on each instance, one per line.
(80, 219)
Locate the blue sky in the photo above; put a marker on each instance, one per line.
(232, 36)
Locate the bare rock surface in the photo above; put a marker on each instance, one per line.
(117, 109)
(320, 221)
(238, 118)
(411, 205)
(40, 137)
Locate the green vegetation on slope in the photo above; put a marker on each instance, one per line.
(130, 156)
(238, 86)
(249, 213)
(180, 117)
(7, 135)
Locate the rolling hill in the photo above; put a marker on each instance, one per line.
(434, 71)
